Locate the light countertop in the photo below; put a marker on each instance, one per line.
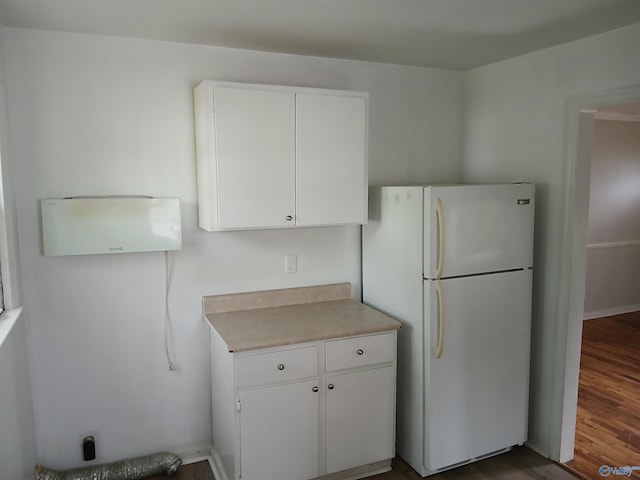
(322, 314)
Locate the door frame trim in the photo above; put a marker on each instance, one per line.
(570, 309)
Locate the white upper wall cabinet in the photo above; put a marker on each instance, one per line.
(274, 156)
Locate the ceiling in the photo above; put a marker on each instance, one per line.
(451, 34)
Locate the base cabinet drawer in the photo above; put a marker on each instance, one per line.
(281, 366)
(359, 351)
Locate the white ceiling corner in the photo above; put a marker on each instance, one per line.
(450, 34)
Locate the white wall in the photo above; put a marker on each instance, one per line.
(18, 452)
(516, 119)
(95, 115)
(613, 255)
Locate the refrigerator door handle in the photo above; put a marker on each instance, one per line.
(440, 215)
(441, 319)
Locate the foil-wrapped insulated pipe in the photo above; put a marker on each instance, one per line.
(129, 469)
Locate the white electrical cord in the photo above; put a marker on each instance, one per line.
(167, 323)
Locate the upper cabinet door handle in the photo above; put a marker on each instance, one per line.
(289, 218)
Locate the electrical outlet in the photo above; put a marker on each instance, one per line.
(290, 263)
(88, 448)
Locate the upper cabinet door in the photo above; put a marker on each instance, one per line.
(255, 154)
(331, 153)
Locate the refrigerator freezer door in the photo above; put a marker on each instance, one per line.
(477, 391)
(482, 228)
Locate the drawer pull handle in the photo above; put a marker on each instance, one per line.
(331, 386)
(360, 351)
(281, 366)
(315, 389)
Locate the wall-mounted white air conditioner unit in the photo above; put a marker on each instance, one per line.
(89, 225)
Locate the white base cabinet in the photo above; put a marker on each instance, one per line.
(323, 409)
(274, 156)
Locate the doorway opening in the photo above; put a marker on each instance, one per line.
(607, 435)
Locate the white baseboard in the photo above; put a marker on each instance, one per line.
(607, 312)
(356, 473)
(195, 454)
(538, 449)
(218, 470)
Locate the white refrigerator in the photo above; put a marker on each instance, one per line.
(454, 265)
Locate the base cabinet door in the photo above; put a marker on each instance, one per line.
(279, 432)
(360, 408)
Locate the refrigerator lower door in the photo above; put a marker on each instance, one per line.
(476, 393)
(481, 228)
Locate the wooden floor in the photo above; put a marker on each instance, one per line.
(193, 471)
(608, 420)
(519, 464)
